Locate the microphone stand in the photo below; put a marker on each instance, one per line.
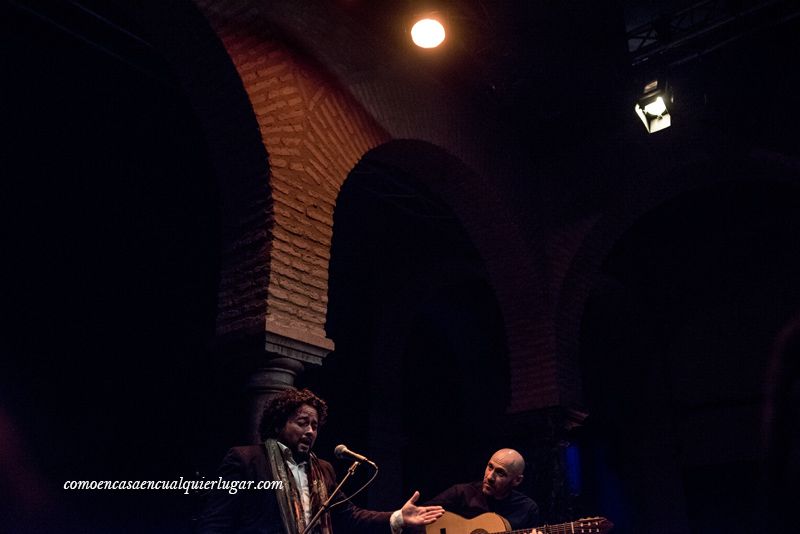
(327, 504)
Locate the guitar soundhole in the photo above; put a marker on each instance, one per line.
(479, 531)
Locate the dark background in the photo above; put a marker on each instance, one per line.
(111, 216)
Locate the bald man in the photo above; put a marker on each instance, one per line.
(495, 493)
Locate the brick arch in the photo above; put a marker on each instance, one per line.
(598, 235)
(180, 33)
(506, 256)
(314, 132)
(321, 101)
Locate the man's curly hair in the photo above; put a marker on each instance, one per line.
(282, 405)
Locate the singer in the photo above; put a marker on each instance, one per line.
(289, 429)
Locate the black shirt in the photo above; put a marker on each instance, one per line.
(468, 501)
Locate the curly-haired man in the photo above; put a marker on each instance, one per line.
(289, 429)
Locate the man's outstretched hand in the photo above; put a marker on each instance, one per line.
(417, 516)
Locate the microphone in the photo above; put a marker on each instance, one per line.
(342, 452)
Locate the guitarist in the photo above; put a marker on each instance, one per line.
(495, 493)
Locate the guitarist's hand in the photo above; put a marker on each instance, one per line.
(417, 516)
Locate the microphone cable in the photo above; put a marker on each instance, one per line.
(367, 483)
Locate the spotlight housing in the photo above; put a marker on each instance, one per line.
(653, 106)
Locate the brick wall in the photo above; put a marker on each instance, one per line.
(314, 133)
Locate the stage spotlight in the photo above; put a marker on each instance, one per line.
(427, 33)
(653, 106)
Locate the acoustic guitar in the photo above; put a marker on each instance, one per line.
(490, 523)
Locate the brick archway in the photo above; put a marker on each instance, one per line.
(181, 34)
(508, 260)
(675, 345)
(414, 306)
(315, 132)
(598, 235)
(283, 147)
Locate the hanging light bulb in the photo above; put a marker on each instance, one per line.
(427, 33)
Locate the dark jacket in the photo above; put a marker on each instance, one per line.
(256, 511)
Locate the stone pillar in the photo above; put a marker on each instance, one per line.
(274, 375)
(283, 360)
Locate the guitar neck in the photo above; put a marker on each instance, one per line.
(573, 527)
(557, 529)
(561, 528)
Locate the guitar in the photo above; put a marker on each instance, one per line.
(490, 523)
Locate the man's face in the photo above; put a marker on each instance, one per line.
(502, 474)
(300, 431)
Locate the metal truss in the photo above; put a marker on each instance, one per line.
(703, 27)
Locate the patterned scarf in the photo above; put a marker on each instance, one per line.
(289, 502)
